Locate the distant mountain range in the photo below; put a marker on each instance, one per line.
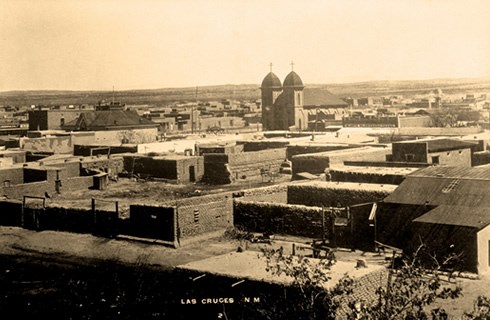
(240, 92)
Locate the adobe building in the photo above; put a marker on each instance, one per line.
(436, 151)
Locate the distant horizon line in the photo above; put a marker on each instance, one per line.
(241, 84)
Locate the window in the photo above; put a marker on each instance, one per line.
(196, 215)
(450, 186)
(435, 160)
(299, 98)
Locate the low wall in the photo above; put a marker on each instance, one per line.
(204, 217)
(332, 195)
(84, 150)
(480, 158)
(12, 175)
(365, 177)
(419, 131)
(296, 150)
(316, 163)
(249, 146)
(38, 189)
(249, 164)
(341, 227)
(278, 218)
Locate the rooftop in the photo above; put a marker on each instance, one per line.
(457, 216)
(249, 265)
(420, 190)
(436, 145)
(350, 186)
(374, 170)
(480, 172)
(322, 97)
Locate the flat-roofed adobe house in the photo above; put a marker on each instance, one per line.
(445, 208)
(123, 126)
(450, 152)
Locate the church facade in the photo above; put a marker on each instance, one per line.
(282, 104)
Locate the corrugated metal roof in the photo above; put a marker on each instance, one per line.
(441, 191)
(458, 216)
(481, 172)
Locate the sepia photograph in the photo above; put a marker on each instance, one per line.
(245, 159)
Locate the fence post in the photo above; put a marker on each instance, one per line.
(94, 215)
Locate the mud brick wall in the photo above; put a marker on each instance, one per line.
(204, 214)
(346, 176)
(29, 189)
(77, 183)
(278, 218)
(113, 164)
(318, 195)
(296, 150)
(158, 168)
(249, 164)
(215, 170)
(84, 150)
(249, 146)
(316, 163)
(39, 188)
(14, 175)
(276, 193)
(480, 158)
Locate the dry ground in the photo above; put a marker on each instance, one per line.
(64, 247)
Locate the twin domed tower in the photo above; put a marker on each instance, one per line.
(282, 105)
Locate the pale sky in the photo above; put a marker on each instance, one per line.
(137, 44)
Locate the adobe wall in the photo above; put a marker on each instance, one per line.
(13, 174)
(278, 218)
(418, 121)
(249, 146)
(308, 221)
(203, 217)
(15, 156)
(419, 131)
(112, 165)
(296, 150)
(365, 177)
(249, 164)
(39, 188)
(133, 136)
(316, 163)
(215, 170)
(454, 158)
(319, 195)
(84, 150)
(480, 158)
(60, 144)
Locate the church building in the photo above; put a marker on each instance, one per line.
(282, 105)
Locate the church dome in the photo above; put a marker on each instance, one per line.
(271, 81)
(293, 81)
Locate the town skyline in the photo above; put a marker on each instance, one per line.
(133, 45)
